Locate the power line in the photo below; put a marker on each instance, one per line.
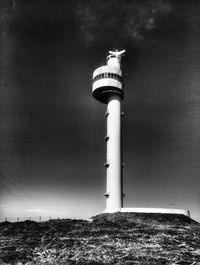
(12, 195)
(22, 191)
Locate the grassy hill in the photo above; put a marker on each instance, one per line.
(119, 238)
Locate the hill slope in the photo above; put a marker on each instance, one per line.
(119, 238)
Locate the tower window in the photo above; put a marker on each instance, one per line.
(106, 164)
(106, 113)
(106, 194)
(108, 75)
(106, 138)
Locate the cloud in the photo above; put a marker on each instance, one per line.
(39, 211)
(102, 20)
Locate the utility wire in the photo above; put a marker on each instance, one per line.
(12, 195)
(22, 191)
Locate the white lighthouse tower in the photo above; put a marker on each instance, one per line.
(108, 88)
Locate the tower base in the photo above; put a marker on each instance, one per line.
(150, 210)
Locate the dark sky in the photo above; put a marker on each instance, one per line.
(52, 147)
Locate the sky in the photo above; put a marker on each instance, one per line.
(52, 129)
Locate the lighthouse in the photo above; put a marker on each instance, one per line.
(108, 88)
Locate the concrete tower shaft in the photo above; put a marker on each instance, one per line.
(114, 164)
(108, 89)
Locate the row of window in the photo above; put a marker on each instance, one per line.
(108, 75)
